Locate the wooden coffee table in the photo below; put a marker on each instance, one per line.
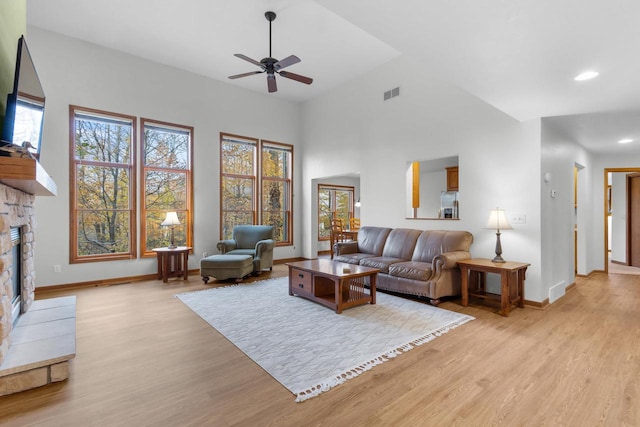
(336, 285)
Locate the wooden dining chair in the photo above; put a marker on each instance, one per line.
(354, 224)
(337, 233)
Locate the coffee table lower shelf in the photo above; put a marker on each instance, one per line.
(333, 284)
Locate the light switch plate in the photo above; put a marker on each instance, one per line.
(518, 219)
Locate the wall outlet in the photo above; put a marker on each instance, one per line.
(518, 219)
(57, 269)
(204, 254)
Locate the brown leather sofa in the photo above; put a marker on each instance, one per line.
(415, 262)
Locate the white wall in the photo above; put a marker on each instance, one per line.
(75, 72)
(432, 184)
(559, 215)
(351, 129)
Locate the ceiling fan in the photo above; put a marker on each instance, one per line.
(272, 66)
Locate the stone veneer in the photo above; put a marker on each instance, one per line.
(16, 210)
(36, 349)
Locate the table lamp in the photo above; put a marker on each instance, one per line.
(497, 221)
(171, 221)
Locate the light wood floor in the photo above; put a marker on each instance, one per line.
(622, 269)
(144, 359)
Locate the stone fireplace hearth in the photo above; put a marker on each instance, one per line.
(34, 350)
(16, 210)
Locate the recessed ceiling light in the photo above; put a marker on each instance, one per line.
(625, 141)
(587, 75)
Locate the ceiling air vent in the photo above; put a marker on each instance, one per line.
(392, 93)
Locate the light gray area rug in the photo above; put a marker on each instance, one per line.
(309, 348)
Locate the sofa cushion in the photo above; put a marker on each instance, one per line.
(415, 270)
(380, 262)
(352, 258)
(400, 243)
(371, 240)
(251, 252)
(435, 242)
(429, 245)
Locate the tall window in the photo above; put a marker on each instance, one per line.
(255, 185)
(276, 189)
(102, 185)
(237, 182)
(166, 181)
(333, 202)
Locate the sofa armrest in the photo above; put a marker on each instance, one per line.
(448, 260)
(341, 248)
(264, 246)
(225, 246)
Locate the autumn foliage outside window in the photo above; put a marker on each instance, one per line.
(167, 183)
(255, 185)
(102, 185)
(333, 202)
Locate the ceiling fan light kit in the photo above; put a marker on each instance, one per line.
(272, 66)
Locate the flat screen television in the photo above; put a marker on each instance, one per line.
(25, 106)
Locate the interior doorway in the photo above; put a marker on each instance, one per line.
(580, 200)
(575, 219)
(621, 220)
(633, 219)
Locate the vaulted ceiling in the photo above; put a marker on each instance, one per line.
(518, 55)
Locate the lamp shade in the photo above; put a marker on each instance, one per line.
(171, 219)
(498, 221)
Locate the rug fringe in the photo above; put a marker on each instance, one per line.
(327, 385)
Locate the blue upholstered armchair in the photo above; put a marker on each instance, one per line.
(254, 240)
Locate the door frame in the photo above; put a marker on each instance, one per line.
(628, 236)
(606, 209)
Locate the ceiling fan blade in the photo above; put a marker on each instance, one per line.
(289, 60)
(271, 83)
(246, 58)
(250, 73)
(296, 77)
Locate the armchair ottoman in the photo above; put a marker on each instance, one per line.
(226, 267)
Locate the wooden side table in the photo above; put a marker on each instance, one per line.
(173, 262)
(512, 274)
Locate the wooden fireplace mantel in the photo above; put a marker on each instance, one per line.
(28, 175)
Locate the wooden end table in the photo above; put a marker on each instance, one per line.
(512, 275)
(173, 262)
(330, 284)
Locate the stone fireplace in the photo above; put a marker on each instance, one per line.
(16, 210)
(34, 348)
